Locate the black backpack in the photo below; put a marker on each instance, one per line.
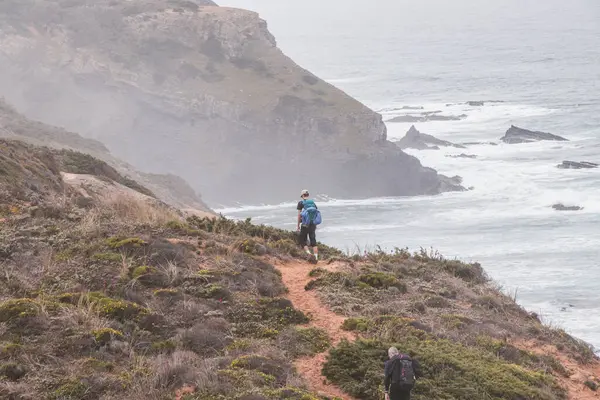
(403, 373)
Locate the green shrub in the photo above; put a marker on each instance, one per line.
(265, 365)
(268, 333)
(65, 255)
(473, 273)
(356, 324)
(456, 321)
(316, 272)
(239, 345)
(315, 339)
(214, 291)
(12, 371)
(70, 390)
(303, 341)
(287, 247)
(183, 228)
(105, 335)
(264, 317)
(108, 307)
(581, 350)
(176, 225)
(335, 278)
(118, 242)
(418, 307)
(142, 270)
(489, 302)
(98, 365)
(245, 381)
(382, 323)
(382, 280)
(251, 246)
(451, 371)
(437, 302)
(18, 308)
(165, 345)
(9, 350)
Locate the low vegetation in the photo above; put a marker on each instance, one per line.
(446, 313)
(97, 303)
(465, 372)
(100, 303)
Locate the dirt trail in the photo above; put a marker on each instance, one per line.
(579, 373)
(295, 277)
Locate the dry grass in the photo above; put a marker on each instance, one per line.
(125, 208)
(207, 338)
(141, 211)
(171, 271)
(175, 370)
(84, 315)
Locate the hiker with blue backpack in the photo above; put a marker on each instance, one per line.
(309, 217)
(401, 372)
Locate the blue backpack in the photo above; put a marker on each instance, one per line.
(310, 213)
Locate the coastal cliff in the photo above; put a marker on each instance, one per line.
(202, 92)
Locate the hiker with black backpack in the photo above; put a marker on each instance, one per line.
(401, 373)
(309, 217)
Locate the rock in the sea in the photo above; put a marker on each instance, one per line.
(562, 207)
(427, 117)
(577, 165)
(519, 135)
(476, 143)
(476, 103)
(462, 155)
(422, 141)
(449, 184)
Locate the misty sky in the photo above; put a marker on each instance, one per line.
(421, 41)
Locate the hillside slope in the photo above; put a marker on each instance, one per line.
(202, 92)
(169, 188)
(128, 300)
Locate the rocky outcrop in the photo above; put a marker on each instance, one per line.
(462, 155)
(422, 141)
(562, 207)
(427, 117)
(577, 165)
(519, 135)
(171, 189)
(478, 143)
(198, 91)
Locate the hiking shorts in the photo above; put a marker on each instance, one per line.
(308, 235)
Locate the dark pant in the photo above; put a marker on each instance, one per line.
(308, 230)
(399, 393)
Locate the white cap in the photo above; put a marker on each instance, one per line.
(304, 192)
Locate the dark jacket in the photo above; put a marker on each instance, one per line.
(389, 368)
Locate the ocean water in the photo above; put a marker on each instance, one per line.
(540, 64)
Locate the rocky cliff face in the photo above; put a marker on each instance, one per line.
(199, 91)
